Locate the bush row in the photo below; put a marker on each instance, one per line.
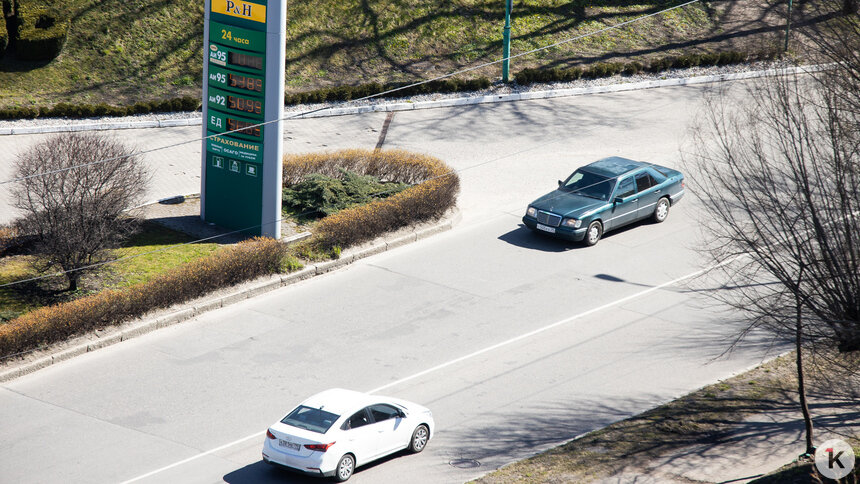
(41, 32)
(187, 103)
(434, 191)
(347, 93)
(606, 69)
(4, 34)
(65, 110)
(244, 261)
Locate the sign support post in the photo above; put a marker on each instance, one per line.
(243, 108)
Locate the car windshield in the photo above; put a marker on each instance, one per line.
(589, 184)
(308, 418)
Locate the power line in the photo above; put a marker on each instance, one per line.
(371, 96)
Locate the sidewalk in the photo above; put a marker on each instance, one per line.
(757, 446)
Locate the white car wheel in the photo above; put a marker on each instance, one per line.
(419, 439)
(345, 468)
(661, 211)
(594, 232)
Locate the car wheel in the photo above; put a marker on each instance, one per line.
(419, 439)
(661, 211)
(593, 234)
(345, 468)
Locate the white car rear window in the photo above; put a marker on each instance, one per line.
(308, 418)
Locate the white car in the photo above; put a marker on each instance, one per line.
(333, 432)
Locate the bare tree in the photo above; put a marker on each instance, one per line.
(74, 207)
(779, 177)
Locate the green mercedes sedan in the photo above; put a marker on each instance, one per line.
(603, 196)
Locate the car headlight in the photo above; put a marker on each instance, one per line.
(572, 222)
(531, 212)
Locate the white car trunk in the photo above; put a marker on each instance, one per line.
(291, 440)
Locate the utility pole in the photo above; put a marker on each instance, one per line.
(506, 48)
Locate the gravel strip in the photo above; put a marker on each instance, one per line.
(496, 89)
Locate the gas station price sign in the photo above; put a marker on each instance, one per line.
(243, 77)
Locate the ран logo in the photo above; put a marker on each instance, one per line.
(834, 459)
(245, 11)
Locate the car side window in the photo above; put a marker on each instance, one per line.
(626, 188)
(358, 419)
(644, 181)
(382, 412)
(658, 177)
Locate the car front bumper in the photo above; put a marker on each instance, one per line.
(561, 232)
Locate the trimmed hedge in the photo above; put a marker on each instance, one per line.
(41, 32)
(348, 93)
(434, 191)
(66, 110)
(606, 69)
(242, 262)
(4, 34)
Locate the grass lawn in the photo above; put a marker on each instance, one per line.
(18, 299)
(155, 238)
(122, 51)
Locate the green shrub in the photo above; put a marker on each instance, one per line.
(434, 191)
(347, 93)
(4, 35)
(41, 32)
(19, 113)
(242, 262)
(632, 68)
(321, 195)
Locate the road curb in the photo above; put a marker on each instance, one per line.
(263, 285)
(441, 103)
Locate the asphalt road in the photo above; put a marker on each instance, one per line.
(515, 341)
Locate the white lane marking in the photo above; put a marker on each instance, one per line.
(463, 358)
(194, 457)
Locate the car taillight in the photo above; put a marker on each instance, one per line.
(270, 435)
(319, 447)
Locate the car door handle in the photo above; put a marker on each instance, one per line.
(656, 191)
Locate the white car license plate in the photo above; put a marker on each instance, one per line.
(289, 445)
(546, 228)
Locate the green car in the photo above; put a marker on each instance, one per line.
(603, 196)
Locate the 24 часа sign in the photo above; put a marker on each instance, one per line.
(243, 92)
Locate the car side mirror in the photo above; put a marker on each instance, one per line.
(560, 183)
(401, 414)
(619, 199)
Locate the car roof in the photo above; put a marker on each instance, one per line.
(340, 401)
(613, 166)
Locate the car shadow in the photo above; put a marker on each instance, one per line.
(526, 238)
(261, 473)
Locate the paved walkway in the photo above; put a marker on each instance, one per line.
(183, 215)
(757, 446)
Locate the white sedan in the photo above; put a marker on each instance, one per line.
(333, 432)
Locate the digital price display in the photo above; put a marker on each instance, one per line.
(245, 60)
(253, 106)
(245, 82)
(243, 127)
